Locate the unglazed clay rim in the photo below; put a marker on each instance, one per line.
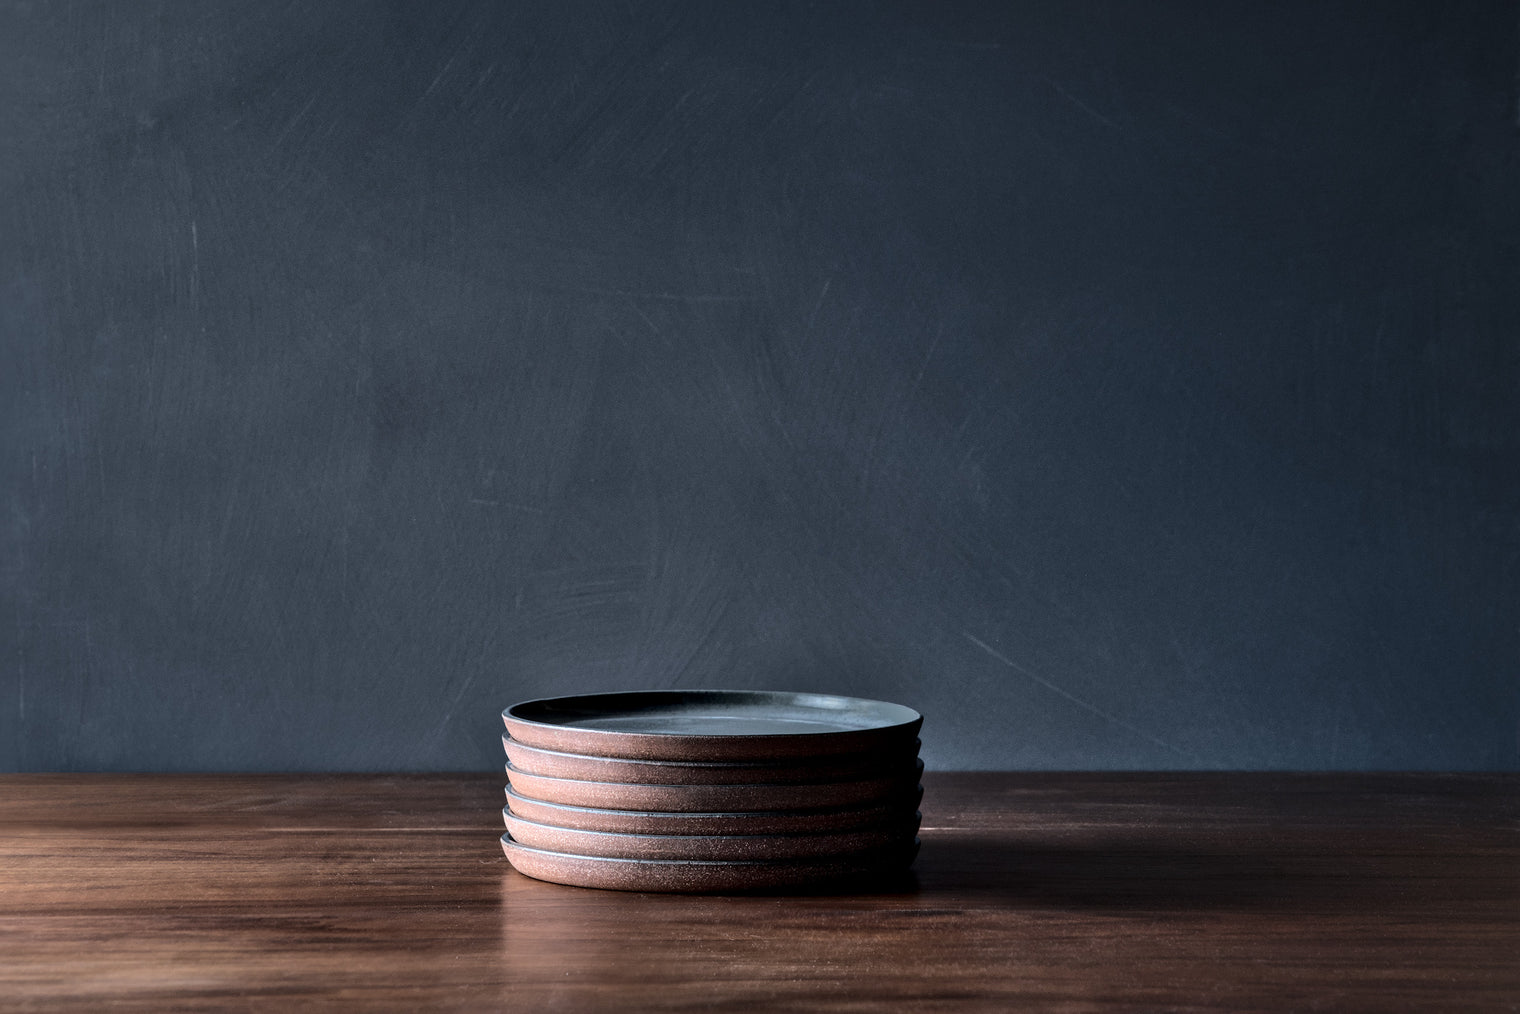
(701, 876)
(710, 798)
(716, 847)
(842, 818)
(635, 771)
(568, 738)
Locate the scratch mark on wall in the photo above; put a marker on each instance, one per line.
(297, 118)
(20, 667)
(439, 76)
(88, 676)
(506, 503)
(1035, 677)
(195, 262)
(448, 713)
(823, 294)
(1089, 110)
(343, 564)
(669, 297)
(645, 317)
(923, 367)
(881, 424)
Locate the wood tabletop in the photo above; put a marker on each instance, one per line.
(1033, 891)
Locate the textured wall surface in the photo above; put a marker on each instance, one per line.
(1123, 385)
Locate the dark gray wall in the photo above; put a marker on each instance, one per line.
(1123, 385)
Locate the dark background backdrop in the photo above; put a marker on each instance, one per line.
(1121, 384)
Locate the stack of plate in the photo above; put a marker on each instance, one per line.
(710, 790)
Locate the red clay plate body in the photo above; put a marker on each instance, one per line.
(873, 815)
(713, 725)
(585, 767)
(697, 877)
(728, 848)
(712, 798)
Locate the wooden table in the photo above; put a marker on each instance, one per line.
(1033, 891)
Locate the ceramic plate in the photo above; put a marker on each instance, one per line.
(694, 876)
(712, 725)
(706, 847)
(763, 822)
(710, 798)
(584, 767)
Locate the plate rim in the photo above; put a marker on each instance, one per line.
(709, 814)
(887, 852)
(675, 821)
(916, 820)
(918, 767)
(907, 717)
(510, 742)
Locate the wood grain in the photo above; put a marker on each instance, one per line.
(1049, 891)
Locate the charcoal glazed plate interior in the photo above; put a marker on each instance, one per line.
(727, 848)
(698, 876)
(585, 818)
(712, 725)
(709, 798)
(840, 767)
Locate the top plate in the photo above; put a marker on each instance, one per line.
(717, 725)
